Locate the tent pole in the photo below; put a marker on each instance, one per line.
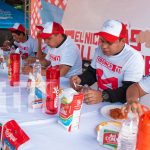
(27, 11)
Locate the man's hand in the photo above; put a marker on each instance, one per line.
(132, 106)
(44, 62)
(75, 83)
(30, 60)
(43, 72)
(92, 97)
(27, 69)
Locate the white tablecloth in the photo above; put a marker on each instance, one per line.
(44, 131)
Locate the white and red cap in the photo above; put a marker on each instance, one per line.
(40, 27)
(49, 29)
(112, 30)
(17, 26)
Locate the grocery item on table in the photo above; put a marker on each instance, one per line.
(37, 90)
(70, 109)
(36, 68)
(143, 136)
(14, 69)
(128, 133)
(50, 105)
(107, 134)
(12, 136)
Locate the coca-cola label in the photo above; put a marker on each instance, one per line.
(110, 138)
(56, 93)
(13, 135)
(66, 110)
(52, 92)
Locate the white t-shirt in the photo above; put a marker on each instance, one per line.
(29, 47)
(145, 84)
(45, 48)
(128, 65)
(68, 54)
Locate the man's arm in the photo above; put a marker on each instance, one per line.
(40, 54)
(28, 68)
(88, 76)
(119, 94)
(64, 69)
(44, 62)
(134, 92)
(39, 51)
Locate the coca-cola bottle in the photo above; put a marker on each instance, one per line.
(14, 69)
(52, 90)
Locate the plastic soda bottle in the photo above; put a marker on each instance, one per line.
(128, 134)
(36, 68)
(52, 90)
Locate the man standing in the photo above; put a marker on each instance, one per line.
(115, 66)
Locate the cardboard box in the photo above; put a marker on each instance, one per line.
(70, 109)
(12, 136)
(107, 134)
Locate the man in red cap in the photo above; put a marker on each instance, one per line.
(115, 66)
(26, 44)
(62, 50)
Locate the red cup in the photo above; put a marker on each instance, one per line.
(143, 136)
(52, 90)
(14, 69)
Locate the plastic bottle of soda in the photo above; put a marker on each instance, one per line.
(128, 134)
(52, 90)
(36, 68)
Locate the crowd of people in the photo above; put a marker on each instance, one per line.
(116, 67)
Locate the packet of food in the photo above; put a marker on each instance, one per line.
(70, 109)
(107, 134)
(12, 136)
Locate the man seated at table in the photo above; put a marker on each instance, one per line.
(115, 66)
(62, 51)
(26, 44)
(134, 92)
